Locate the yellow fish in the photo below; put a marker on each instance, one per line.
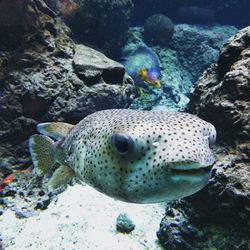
(149, 77)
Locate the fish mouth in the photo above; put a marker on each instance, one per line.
(191, 172)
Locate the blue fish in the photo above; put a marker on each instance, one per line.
(141, 59)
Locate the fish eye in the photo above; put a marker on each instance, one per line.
(122, 143)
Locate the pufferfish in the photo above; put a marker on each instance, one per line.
(131, 155)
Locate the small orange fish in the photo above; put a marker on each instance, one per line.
(9, 178)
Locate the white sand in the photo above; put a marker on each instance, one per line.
(83, 218)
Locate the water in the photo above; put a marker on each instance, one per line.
(61, 60)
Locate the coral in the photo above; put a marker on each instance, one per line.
(158, 30)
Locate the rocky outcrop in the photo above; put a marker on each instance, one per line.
(218, 216)
(44, 76)
(222, 94)
(102, 24)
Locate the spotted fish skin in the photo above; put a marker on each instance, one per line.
(135, 156)
(162, 147)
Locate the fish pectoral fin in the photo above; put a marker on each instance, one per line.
(55, 130)
(61, 177)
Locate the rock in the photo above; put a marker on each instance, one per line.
(221, 211)
(94, 67)
(221, 94)
(43, 79)
(172, 230)
(12, 22)
(124, 224)
(158, 30)
(23, 214)
(190, 52)
(102, 24)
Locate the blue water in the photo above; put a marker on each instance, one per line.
(230, 12)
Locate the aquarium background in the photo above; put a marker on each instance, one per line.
(61, 60)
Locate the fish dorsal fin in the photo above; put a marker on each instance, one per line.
(55, 130)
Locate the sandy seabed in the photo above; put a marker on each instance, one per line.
(82, 218)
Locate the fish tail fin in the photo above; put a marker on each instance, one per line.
(42, 150)
(56, 130)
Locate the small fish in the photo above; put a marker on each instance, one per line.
(149, 77)
(132, 155)
(7, 180)
(10, 178)
(143, 66)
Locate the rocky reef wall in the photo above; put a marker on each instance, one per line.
(45, 76)
(218, 216)
(222, 94)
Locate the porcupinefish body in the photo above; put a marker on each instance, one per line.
(135, 156)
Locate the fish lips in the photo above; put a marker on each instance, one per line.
(194, 172)
(191, 172)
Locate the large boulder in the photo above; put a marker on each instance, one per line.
(218, 216)
(222, 94)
